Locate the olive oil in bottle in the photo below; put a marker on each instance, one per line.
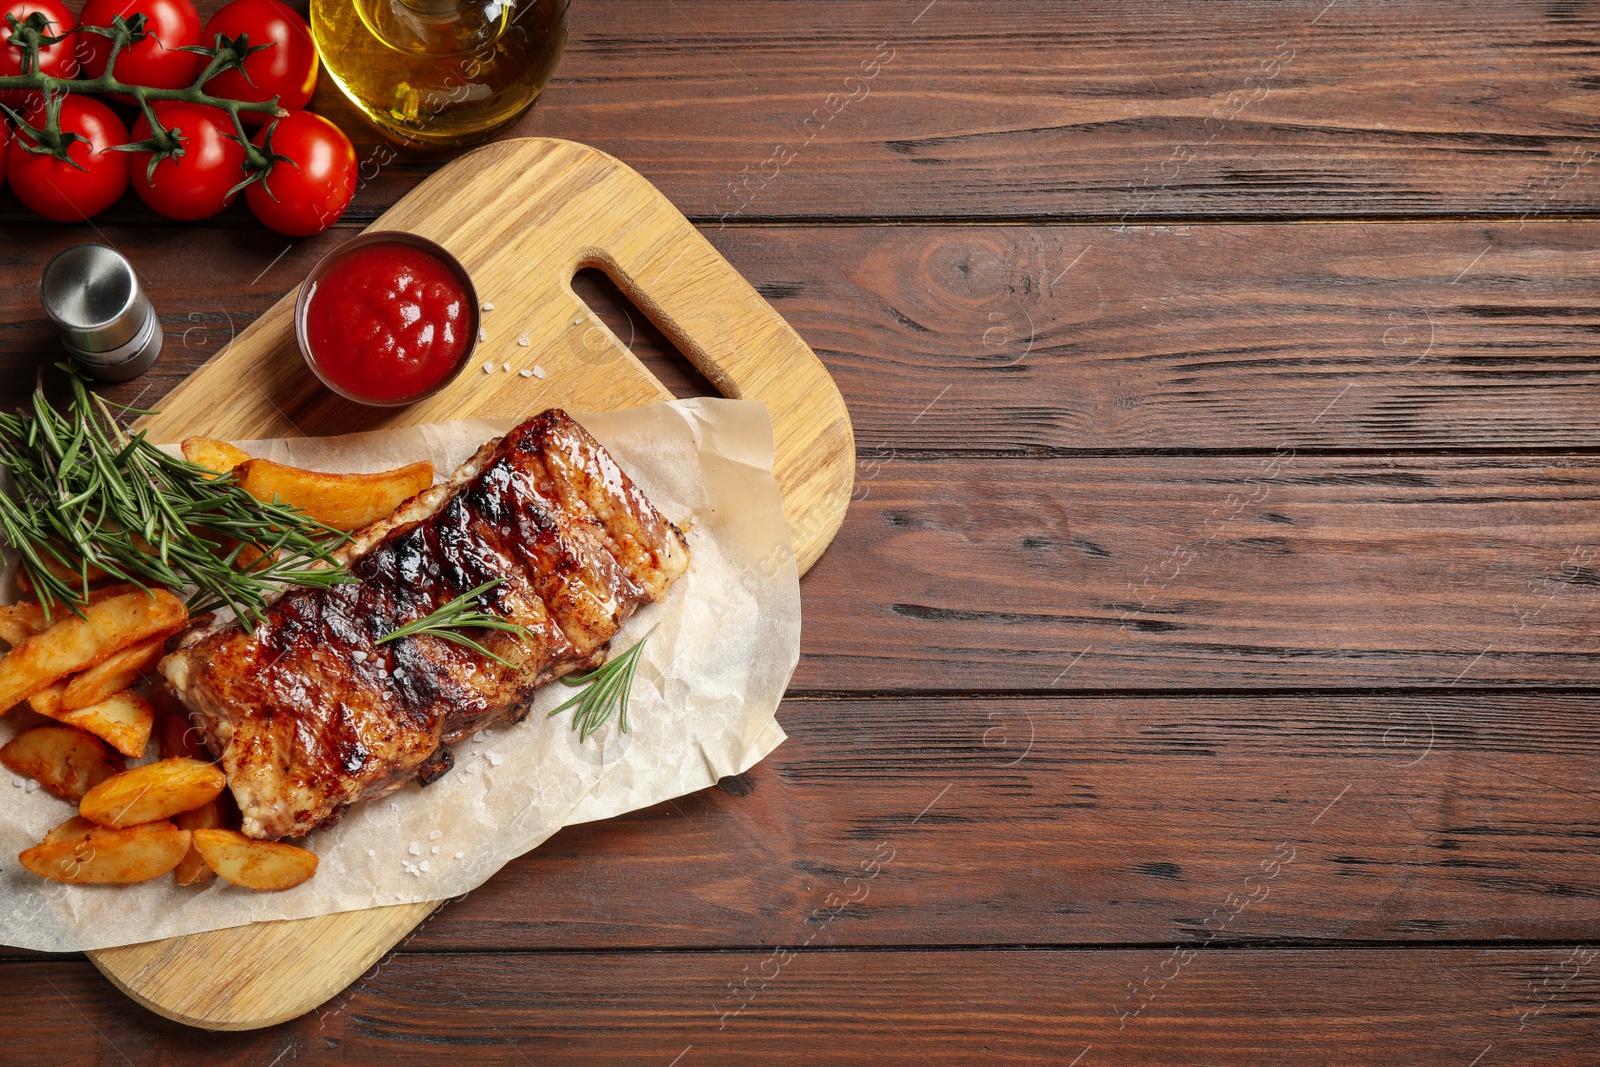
(440, 72)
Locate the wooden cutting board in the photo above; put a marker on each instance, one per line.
(523, 216)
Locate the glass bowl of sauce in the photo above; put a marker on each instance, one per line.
(387, 319)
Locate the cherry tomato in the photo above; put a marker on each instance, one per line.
(196, 184)
(310, 193)
(155, 61)
(56, 189)
(287, 68)
(61, 60)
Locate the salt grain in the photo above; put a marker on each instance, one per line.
(578, 321)
(359, 656)
(483, 333)
(399, 896)
(435, 835)
(494, 760)
(488, 368)
(488, 306)
(372, 852)
(524, 341)
(525, 373)
(435, 850)
(415, 849)
(423, 865)
(460, 854)
(32, 785)
(538, 372)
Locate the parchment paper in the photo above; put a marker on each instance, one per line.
(725, 642)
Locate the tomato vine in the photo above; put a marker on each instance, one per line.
(30, 35)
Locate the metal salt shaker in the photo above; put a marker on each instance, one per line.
(104, 318)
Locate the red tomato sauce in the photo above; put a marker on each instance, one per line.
(388, 322)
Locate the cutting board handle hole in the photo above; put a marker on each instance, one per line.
(634, 329)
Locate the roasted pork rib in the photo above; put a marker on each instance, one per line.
(310, 714)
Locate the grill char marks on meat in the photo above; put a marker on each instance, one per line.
(310, 714)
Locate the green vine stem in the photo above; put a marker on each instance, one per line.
(30, 36)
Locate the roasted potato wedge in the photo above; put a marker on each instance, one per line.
(76, 643)
(82, 853)
(343, 501)
(212, 454)
(26, 618)
(122, 720)
(114, 674)
(192, 869)
(254, 864)
(71, 575)
(63, 759)
(155, 791)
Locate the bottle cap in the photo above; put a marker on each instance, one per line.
(105, 320)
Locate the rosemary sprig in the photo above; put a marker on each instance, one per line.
(448, 620)
(86, 494)
(609, 686)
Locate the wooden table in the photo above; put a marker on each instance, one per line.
(1206, 670)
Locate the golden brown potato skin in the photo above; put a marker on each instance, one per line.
(310, 714)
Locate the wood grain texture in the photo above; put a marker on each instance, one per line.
(1181, 573)
(1369, 1006)
(1002, 339)
(1008, 397)
(1059, 821)
(1104, 109)
(523, 217)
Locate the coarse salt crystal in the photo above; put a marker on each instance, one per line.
(415, 849)
(506, 367)
(460, 854)
(494, 760)
(483, 333)
(423, 865)
(524, 340)
(538, 372)
(435, 850)
(435, 835)
(372, 852)
(578, 321)
(359, 656)
(399, 896)
(525, 373)
(33, 784)
(488, 306)
(488, 368)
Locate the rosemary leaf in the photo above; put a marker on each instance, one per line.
(609, 687)
(460, 613)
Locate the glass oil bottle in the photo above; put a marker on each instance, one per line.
(440, 72)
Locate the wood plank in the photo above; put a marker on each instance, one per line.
(1092, 821)
(1014, 109)
(1174, 573)
(1437, 336)
(1372, 1006)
